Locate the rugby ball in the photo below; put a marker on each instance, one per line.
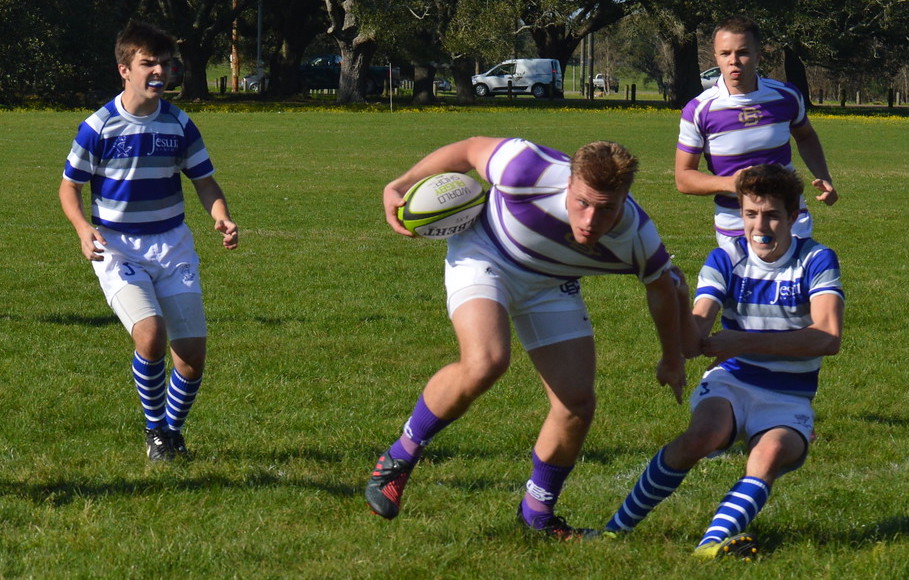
(440, 206)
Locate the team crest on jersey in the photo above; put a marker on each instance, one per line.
(121, 149)
(750, 116)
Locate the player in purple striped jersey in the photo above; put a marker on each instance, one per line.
(550, 219)
(132, 152)
(745, 120)
(781, 305)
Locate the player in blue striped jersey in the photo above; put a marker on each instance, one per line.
(549, 220)
(781, 302)
(745, 120)
(132, 152)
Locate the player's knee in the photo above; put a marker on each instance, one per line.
(485, 369)
(150, 338)
(700, 441)
(189, 356)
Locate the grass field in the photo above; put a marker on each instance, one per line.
(323, 328)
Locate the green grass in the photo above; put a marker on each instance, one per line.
(324, 327)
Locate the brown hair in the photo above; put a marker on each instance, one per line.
(604, 166)
(771, 181)
(142, 36)
(739, 25)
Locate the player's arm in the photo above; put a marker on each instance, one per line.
(691, 327)
(692, 181)
(459, 157)
(663, 303)
(821, 338)
(70, 194)
(809, 146)
(214, 202)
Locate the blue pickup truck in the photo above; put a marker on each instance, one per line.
(324, 72)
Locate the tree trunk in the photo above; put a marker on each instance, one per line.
(423, 77)
(195, 78)
(357, 49)
(795, 72)
(462, 69)
(686, 83)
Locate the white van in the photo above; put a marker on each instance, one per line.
(527, 76)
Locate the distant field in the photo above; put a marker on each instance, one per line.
(324, 327)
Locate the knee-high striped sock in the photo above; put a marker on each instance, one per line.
(181, 393)
(543, 489)
(151, 383)
(656, 484)
(740, 506)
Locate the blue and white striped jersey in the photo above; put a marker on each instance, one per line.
(761, 297)
(527, 220)
(737, 131)
(134, 165)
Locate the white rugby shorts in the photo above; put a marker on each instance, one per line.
(544, 310)
(153, 274)
(755, 409)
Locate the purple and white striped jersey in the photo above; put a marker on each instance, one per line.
(134, 165)
(761, 297)
(737, 131)
(527, 220)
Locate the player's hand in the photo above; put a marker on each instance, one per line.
(671, 371)
(828, 192)
(92, 244)
(393, 198)
(722, 346)
(230, 232)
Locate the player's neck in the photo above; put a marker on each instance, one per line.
(138, 105)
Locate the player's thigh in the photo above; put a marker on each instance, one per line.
(484, 335)
(184, 315)
(568, 370)
(134, 303)
(712, 425)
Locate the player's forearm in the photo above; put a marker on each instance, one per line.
(71, 202)
(664, 310)
(806, 342)
(812, 154)
(696, 182)
(212, 198)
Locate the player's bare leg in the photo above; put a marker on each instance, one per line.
(483, 333)
(567, 369)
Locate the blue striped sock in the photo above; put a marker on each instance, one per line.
(151, 384)
(656, 484)
(181, 393)
(740, 506)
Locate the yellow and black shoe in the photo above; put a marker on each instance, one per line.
(742, 546)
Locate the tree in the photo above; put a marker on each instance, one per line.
(857, 41)
(559, 26)
(357, 43)
(49, 50)
(197, 26)
(293, 25)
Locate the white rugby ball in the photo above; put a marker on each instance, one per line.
(440, 206)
